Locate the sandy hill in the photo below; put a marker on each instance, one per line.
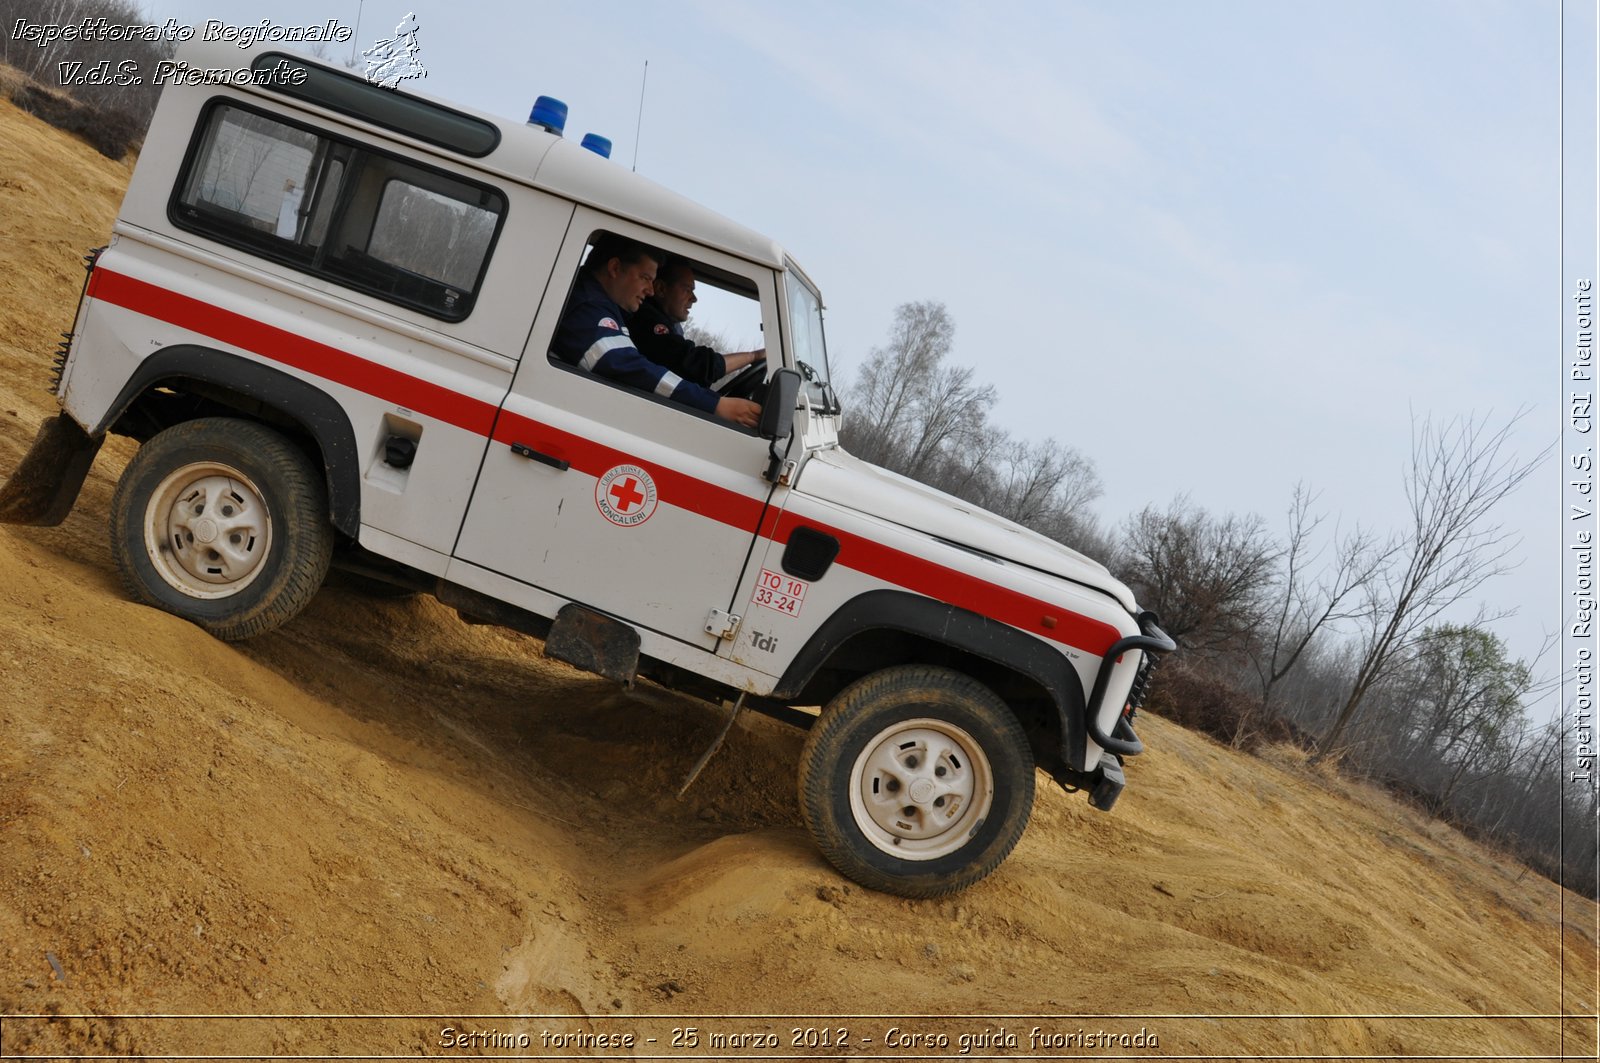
(381, 811)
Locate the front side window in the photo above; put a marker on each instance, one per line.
(666, 325)
(368, 220)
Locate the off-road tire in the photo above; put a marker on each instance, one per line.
(942, 745)
(223, 522)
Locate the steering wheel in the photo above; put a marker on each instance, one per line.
(746, 383)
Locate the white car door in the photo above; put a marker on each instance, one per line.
(614, 498)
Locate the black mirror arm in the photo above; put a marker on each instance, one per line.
(776, 460)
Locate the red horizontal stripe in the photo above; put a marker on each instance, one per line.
(593, 458)
(292, 350)
(855, 551)
(959, 589)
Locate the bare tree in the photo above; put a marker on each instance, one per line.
(1311, 599)
(970, 474)
(1207, 577)
(913, 412)
(79, 54)
(951, 413)
(1459, 472)
(885, 394)
(1040, 479)
(30, 56)
(908, 403)
(1043, 485)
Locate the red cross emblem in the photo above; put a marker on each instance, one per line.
(625, 495)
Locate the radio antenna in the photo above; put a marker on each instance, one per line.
(640, 123)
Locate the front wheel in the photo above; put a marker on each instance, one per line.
(916, 781)
(223, 522)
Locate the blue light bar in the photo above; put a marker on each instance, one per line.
(598, 144)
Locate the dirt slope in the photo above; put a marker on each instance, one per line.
(381, 811)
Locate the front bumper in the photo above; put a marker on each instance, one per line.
(1151, 640)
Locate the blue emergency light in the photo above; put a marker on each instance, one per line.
(598, 144)
(549, 114)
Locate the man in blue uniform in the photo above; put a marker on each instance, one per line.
(657, 329)
(592, 336)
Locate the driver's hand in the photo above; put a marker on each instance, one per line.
(740, 411)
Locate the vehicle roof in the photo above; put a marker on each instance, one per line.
(526, 154)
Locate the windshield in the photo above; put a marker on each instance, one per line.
(810, 351)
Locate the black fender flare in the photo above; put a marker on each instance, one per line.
(960, 629)
(319, 413)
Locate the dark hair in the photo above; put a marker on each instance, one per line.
(608, 246)
(673, 266)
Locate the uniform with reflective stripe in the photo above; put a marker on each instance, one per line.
(592, 336)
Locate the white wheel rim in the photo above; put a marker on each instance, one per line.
(207, 530)
(921, 789)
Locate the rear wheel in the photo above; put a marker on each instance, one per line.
(916, 781)
(222, 522)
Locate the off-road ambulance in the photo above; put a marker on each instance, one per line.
(326, 313)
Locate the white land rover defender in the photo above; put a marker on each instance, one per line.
(326, 313)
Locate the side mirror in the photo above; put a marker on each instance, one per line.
(777, 412)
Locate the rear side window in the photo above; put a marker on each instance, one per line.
(409, 233)
(431, 233)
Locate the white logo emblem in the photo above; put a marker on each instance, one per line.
(395, 60)
(625, 495)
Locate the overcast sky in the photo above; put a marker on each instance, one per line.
(1219, 248)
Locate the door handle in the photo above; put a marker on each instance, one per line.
(551, 460)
